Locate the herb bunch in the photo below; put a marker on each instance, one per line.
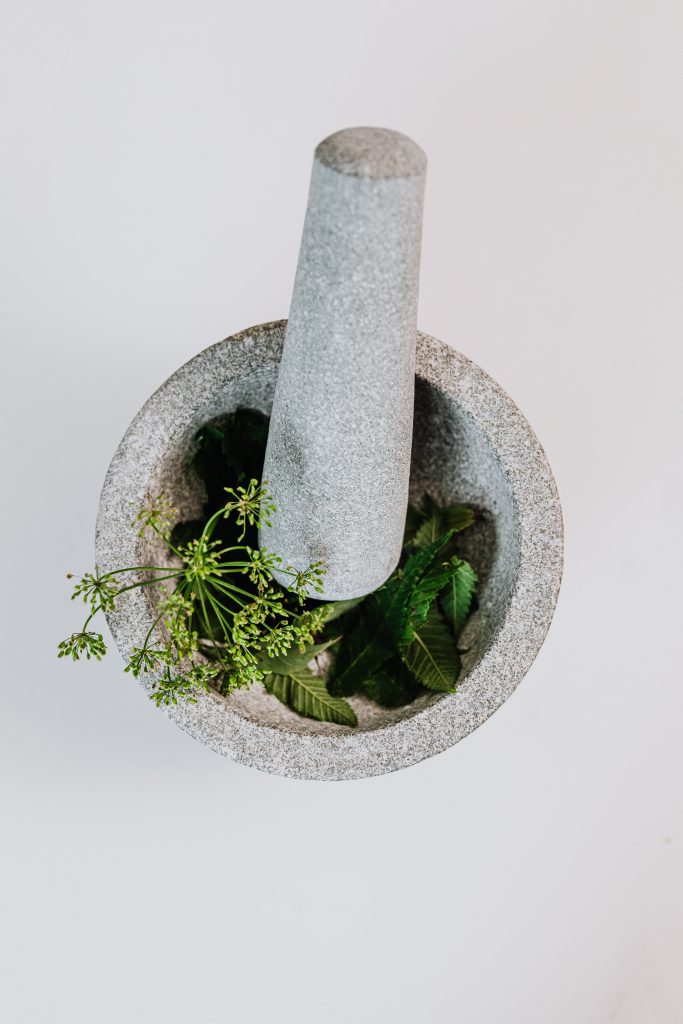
(402, 639)
(222, 612)
(226, 623)
(405, 636)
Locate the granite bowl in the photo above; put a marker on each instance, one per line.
(471, 444)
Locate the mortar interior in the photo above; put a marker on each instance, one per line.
(452, 460)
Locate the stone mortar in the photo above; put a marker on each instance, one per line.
(471, 444)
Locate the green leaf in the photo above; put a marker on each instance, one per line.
(392, 686)
(456, 598)
(455, 518)
(432, 656)
(293, 683)
(414, 519)
(404, 583)
(382, 626)
(428, 532)
(424, 592)
(365, 647)
(307, 695)
(458, 517)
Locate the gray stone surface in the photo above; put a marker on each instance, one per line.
(471, 443)
(338, 458)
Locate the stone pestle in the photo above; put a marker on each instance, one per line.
(338, 456)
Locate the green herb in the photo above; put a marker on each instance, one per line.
(226, 610)
(227, 623)
(393, 685)
(291, 681)
(432, 655)
(405, 634)
(384, 626)
(456, 597)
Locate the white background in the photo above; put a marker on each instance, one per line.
(156, 164)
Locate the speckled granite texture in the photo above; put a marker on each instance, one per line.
(470, 443)
(338, 457)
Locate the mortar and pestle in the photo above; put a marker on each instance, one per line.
(367, 413)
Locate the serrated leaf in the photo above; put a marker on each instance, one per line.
(422, 596)
(364, 648)
(382, 626)
(392, 686)
(432, 656)
(307, 695)
(458, 517)
(456, 597)
(428, 532)
(429, 506)
(414, 519)
(415, 568)
(455, 518)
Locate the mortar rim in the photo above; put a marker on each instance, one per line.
(430, 730)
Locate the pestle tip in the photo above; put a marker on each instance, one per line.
(372, 153)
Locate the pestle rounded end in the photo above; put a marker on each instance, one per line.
(372, 153)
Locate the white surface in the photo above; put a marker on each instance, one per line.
(157, 159)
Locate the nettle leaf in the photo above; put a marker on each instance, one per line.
(458, 518)
(293, 683)
(414, 519)
(392, 686)
(366, 646)
(307, 695)
(456, 598)
(432, 656)
(382, 625)
(455, 518)
(420, 600)
(428, 532)
(414, 570)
